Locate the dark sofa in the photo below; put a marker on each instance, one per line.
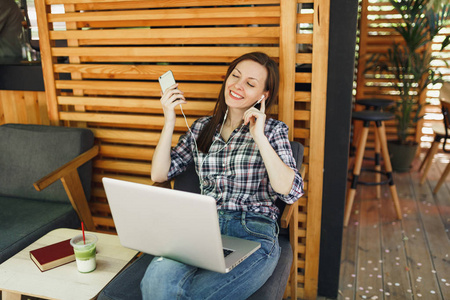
(27, 154)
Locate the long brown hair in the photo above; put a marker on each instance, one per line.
(205, 137)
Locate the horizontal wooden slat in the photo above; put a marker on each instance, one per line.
(133, 137)
(305, 18)
(248, 35)
(303, 58)
(301, 249)
(304, 38)
(128, 152)
(123, 166)
(302, 96)
(302, 115)
(102, 221)
(155, 121)
(180, 22)
(141, 105)
(190, 54)
(303, 77)
(146, 88)
(126, 4)
(99, 207)
(97, 178)
(133, 71)
(301, 217)
(301, 133)
(168, 14)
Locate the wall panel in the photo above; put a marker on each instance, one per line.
(26, 107)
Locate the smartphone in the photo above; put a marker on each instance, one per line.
(166, 80)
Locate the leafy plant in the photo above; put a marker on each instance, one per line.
(410, 62)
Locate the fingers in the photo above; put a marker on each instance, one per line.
(263, 106)
(252, 115)
(172, 97)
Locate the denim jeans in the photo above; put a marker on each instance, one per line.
(169, 279)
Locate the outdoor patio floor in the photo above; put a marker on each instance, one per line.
(386, 258)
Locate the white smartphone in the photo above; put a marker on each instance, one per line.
(166, 80)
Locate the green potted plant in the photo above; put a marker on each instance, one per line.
(409, 64)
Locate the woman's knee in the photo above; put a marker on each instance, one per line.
(166, 279)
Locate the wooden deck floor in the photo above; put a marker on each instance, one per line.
(384, 258)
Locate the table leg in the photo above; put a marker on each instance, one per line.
(10, 296)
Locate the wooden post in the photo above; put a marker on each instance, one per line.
(288, 23)
(47, 60)
(317, 134)
(360, 80)
(75, 60)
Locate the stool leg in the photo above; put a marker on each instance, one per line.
(427, 164)
(356, 172)
(377, 164)
(388, 167)
(443, 177)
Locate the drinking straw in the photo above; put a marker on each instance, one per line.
(82, 229)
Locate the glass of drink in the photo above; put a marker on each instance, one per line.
(85, 251)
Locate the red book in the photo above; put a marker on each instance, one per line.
(53, 256)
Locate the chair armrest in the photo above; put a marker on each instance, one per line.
(72, 184)
(65, 169)
(290, 208)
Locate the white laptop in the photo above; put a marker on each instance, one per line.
(178, 225)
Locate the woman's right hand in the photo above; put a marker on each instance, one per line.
(169, 100)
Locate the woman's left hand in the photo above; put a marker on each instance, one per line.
(257, 120)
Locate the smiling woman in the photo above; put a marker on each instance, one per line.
(270, 92)
(245, 163)
(246, 85)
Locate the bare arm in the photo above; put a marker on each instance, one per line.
(161, 158)
(281, 176)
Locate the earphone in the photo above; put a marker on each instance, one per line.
(259, 101)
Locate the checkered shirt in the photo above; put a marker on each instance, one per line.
(234, 172)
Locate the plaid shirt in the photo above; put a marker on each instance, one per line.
(234, 173)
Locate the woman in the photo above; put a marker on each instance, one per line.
(245, 162)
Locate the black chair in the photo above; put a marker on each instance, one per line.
(126, 284)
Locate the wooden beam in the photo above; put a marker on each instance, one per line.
(317, 142)
(288, 25)
(47, 60)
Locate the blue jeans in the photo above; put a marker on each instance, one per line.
(169, 279)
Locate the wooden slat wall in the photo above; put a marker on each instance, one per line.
(376, 35)
(105, 79)
(26, 107)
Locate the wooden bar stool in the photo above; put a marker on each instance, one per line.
(368, 116)
(377, 104)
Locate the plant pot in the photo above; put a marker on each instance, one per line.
(402, 155)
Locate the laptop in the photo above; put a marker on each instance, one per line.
(178, 225)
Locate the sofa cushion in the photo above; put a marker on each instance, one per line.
(272, 289)
(23, 221)
(29, 152)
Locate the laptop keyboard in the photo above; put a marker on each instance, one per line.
(227, 252)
